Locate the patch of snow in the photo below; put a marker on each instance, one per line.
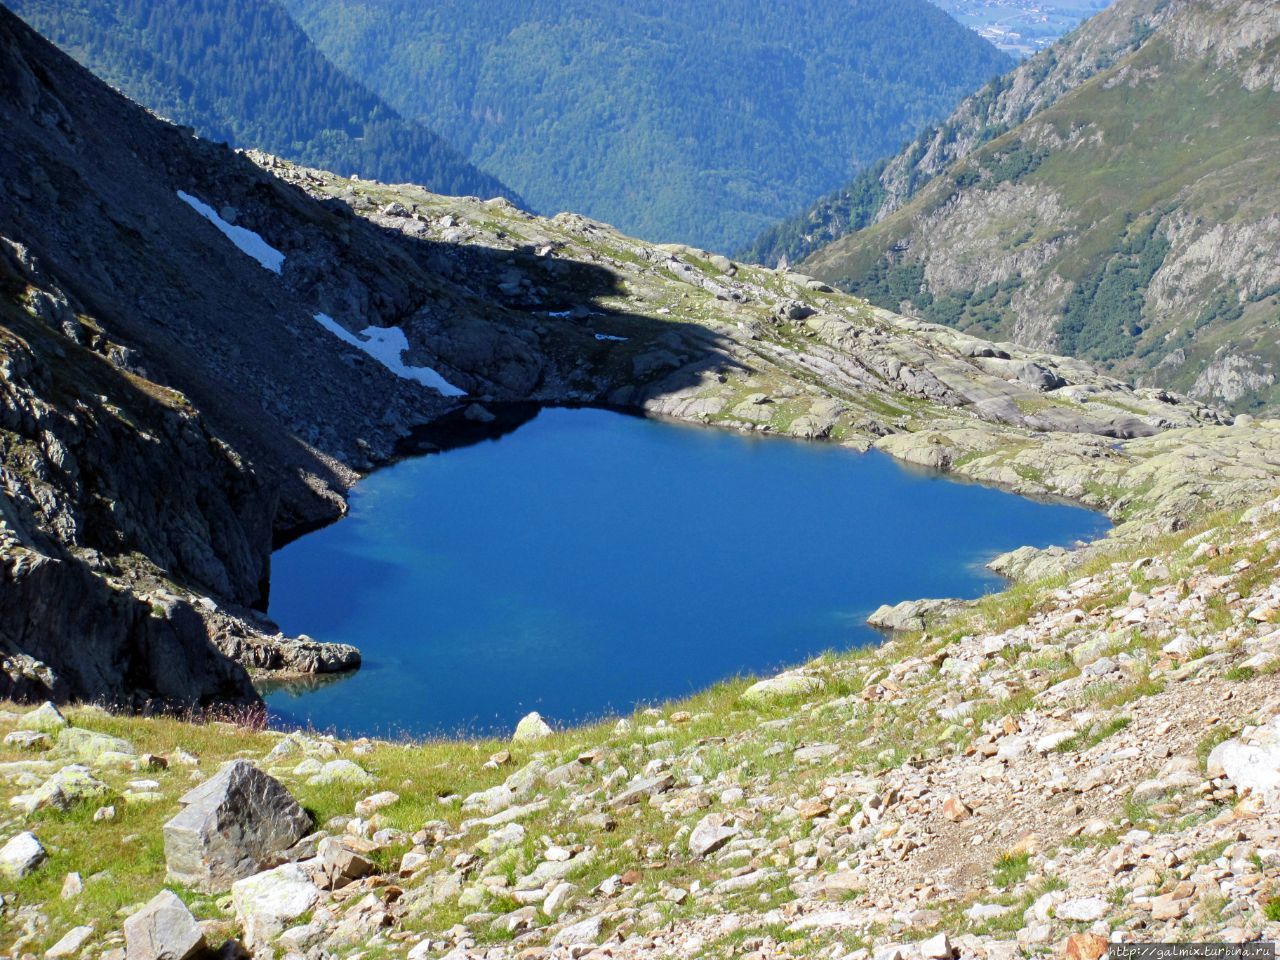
(387, 345)
(559, 314)
(606, 336)
(246, 240)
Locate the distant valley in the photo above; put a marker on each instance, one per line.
(697, 123)
(1022, 27)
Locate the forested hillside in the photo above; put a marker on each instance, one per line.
(242, 71)
(701, 122)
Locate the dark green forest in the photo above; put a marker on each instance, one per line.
(242, 71)
(696, 122)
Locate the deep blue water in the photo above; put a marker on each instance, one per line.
(590, 561)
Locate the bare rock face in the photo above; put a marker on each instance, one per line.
(231, 826)
(164, 929)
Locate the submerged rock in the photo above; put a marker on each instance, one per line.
(230, 827)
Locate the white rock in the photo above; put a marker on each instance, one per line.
(825, 920)
(532, 728)
(560, 899)
(341, 771)
(371, 805)
(164, 929)
(45, 718)
(72, 886)
(782, 687)
(70, 944)
(268, 902)
(1083, 909)
(1011, 748)
(986, 911)
(710, 835)
(20, 856)
(1253, 766)
(583, 932)
(1051, 741)
(937, 948)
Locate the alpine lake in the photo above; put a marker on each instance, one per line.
(586, 562)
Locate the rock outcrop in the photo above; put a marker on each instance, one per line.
(230, 827)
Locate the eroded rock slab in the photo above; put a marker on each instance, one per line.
(231, 827)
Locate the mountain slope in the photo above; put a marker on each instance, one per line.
(701, 122)
(242, 71)
(193, 368)
(997, 108)
(1117, 198)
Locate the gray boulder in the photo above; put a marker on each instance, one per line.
(268, 902)
(20, 856)
(45, 718)
(340, 865)
(231, 826)
(92, 747)
(710, 835)
(911, 615)
(531, 729)
(164, 929)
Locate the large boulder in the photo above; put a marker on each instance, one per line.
(911, 615)
(89, 746)
(164, 929)
(785, 686)
(71, 785)
(342, 771)
(231, 826)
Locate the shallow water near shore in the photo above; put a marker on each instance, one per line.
(589, 561)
